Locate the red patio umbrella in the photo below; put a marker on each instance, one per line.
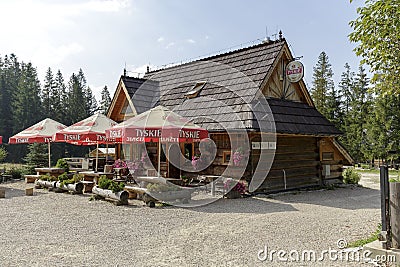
(87, 132)
(41, 132)
(160, 125)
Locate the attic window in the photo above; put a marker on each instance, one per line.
(194, 92)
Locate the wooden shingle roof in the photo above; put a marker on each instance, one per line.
(299, 118)
(144, 93)
(233, 82)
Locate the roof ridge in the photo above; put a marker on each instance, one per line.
(131, 77)
(263, 43)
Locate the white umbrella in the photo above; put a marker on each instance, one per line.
(87, 132)
(41, 132)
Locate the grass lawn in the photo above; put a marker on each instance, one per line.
(377, 171)
(8, 166)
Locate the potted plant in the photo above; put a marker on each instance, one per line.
(122, 166)
(108, 188)
(234, 190)
(68, 183)
(46, 181)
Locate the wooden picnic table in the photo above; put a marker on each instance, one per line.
(50, 171)
(95, 176)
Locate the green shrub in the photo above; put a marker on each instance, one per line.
(351, 176)
(29, 169)
(63, 177)
(75, 178)
(47, 177)
(62, 164)
(105, 183)
(16, 173)
(3, 154)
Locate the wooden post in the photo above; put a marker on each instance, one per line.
(48, 146)
(395, 214)
(2, 192)
(385, 212)
(159, 158)
(97, 155)
(29, 191)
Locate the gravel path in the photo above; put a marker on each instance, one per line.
(53, 229)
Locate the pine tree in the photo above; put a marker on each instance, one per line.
(333, 107)
(346, 84)
(37, 155)
(59, 99)
(26, 103)
(47, 98)
(91, 103)
(10, 76)
(76, 100)
(105, 100)
(358, 103)
(323, 85)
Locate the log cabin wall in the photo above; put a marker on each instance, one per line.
(331, 161)
(296, 164)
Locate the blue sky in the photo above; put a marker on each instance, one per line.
(101, 37)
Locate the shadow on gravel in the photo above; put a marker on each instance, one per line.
(348, 197)
(14, 192)
(245, 205)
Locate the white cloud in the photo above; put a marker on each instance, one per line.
(139, 71)
(169, 45)
(104, 6)
(190, 41)
(160, 39)
(96, 90)
(46, 33)
(51, 56)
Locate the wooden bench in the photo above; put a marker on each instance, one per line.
(31, 178)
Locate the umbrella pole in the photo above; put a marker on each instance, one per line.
(159, 158)
(97, 155)
(48, 146)
(106, 152)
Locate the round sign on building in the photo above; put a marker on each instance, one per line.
(294, 71)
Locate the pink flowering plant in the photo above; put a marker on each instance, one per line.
(135, 167)
(196, 162)
(237, 156)
(239, 186)
(120, 164)
(145, 158)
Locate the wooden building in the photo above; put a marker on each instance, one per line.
(221, 92)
